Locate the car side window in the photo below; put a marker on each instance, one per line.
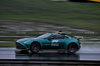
(58, 37)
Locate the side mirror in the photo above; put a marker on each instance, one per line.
(50, 38)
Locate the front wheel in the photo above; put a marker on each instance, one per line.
(72, 48)
(35, 48)
(24, 51)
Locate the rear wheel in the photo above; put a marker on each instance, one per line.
(35, 47)
(72, 48)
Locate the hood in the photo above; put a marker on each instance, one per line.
(26, 39)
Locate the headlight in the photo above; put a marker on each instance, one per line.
(27, 41)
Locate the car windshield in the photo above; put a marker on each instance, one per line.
(44, 35)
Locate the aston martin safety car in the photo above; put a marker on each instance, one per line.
(49, 41)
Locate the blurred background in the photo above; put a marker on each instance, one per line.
(30, 18)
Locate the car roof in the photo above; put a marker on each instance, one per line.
(57, 34)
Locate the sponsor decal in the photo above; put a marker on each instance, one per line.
(55, 43)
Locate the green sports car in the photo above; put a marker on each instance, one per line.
(49, 41)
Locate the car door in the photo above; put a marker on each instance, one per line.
(58, 42)
(54, 42)
(46, 44)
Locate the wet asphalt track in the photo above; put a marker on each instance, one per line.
(89, 51)
(12, 53)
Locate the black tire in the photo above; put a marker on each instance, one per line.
(35, 47)
(72, 48)
(24, 51)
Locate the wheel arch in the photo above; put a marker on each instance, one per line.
(35, 42)
(73, 43)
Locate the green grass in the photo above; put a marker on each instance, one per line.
(7, 44)
(74, 14)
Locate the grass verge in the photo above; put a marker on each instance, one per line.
(7, 44)
(74, 14)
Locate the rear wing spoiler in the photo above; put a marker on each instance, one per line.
(78, 37)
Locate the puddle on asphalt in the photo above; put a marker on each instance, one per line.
(90, 44)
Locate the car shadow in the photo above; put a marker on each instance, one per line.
(46, 56)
